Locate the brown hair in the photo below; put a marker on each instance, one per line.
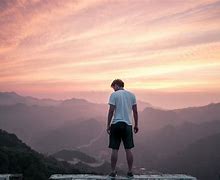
(119, 82)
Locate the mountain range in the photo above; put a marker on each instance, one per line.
(16, 157)
(167, 140)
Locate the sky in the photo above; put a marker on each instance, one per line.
(166, 51)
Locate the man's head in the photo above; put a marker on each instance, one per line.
(117, 84)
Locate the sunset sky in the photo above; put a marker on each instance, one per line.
(162, 49)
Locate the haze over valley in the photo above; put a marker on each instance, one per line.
(76, 125)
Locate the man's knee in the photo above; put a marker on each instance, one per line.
(114, 151)
(128, 150)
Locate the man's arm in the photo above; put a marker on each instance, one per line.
(110, 115)
(135, 114)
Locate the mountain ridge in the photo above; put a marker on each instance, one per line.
(11, 98)
(16, 157)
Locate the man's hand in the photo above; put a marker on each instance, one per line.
(110, 115)
(108, 129)
(135, 114)
(135, 129)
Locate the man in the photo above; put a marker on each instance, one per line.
(121, 105)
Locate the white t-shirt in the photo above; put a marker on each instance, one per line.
(123, 101)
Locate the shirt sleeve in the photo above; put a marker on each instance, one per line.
(112, 99)
(134, 100)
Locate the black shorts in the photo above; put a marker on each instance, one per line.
(121, 131)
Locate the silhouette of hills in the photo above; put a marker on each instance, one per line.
(17, 157)
(201, 158)
(167, 140)
(152, 119)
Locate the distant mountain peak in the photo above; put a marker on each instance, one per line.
(74, 101)
(11, 93)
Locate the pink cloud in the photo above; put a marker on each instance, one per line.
(78, 43)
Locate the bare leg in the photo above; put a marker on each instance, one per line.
(129, 157)
(114, 158)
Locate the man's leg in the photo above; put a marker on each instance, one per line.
(129, 157)
(114, 158)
